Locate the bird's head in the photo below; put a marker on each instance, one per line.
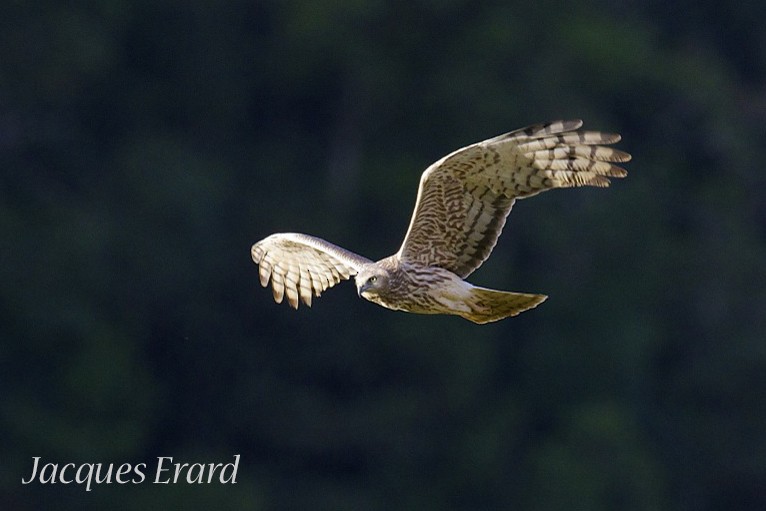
(371, 283)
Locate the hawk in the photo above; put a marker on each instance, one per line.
(462, 204)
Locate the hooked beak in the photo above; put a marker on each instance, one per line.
(362, 289)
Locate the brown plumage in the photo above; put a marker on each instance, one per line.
(462, 204)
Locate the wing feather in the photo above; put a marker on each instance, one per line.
(305, 290)
(464, 198)
(278, 284)
(299, 266)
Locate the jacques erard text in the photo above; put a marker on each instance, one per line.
(164, 471)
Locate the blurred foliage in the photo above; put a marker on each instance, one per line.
(146, 145)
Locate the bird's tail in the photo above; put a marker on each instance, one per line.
(489, 305)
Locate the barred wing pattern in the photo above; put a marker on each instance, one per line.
(300, 266)
(464, 198)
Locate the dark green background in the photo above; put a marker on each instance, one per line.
(145, 146)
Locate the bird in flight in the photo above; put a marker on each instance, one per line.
(462, 204)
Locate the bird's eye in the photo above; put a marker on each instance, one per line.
(372, 279)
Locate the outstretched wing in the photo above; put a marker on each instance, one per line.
(465, 197)
(299, 265)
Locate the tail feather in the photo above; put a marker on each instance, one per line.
(489, 305)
